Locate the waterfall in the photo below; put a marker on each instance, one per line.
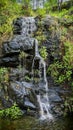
(44, 109)
(39, 79)
(42, 99)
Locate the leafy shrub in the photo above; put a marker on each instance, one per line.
(22, 55)
(68, 105)
(68, 57)
(43, 52)
(13, 113)
(27, 78)
(4, 76)
(9, 10)
(41, 12)
(60, 72)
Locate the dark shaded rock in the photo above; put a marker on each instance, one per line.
(58, 110)
(48, 21)
(18, 44)
(17, 26)
(9, 61)
(25, 43)
(19, 92)
(54, 97)
(6, 103)
(17, 74)
(10, 47)
(11, 51)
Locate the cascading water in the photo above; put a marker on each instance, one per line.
(41, 83)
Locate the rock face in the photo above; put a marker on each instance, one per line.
(18, 54)
(50, 29)
(23, 28)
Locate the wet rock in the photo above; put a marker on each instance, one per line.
(29, 105)
(19, 92)
(25, 43)
(17, 74)
(10, 47)
(54, 97)
(22, 41)
(18, 44)
(17, 26)
(58, 111)
(9, 61)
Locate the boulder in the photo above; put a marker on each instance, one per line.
(22, 93)
(17, 44)
(9, 61)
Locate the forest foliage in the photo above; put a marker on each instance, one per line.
(9, 10)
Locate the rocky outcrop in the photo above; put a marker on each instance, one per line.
(18, 54)
(49, 27)
(23, 28)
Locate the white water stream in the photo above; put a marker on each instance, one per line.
(42, 99)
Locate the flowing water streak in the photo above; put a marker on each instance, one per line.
(43, 105)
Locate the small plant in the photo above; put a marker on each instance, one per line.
(60, 72)
(68, 57)
(12, 113)
(22, 55)
(43, 52)
(40, 12)
(68, 105)
(64, 31)
(27, 78)
(4, 75)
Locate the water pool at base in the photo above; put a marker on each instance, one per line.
(30, 123)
